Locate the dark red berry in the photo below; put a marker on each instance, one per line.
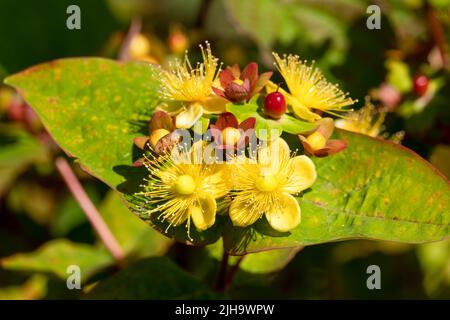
(420, 84)
(275, 105)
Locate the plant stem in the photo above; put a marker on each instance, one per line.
(232, 272)
(134, 29)
(201, 17)
(437, 32)
(89, 209)
(220, 285)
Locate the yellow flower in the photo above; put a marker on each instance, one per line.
(265, 186)
(366, 121)
(192, 87)
(369, 121)
(183, 188)
(308, 89)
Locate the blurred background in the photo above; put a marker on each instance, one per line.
(403, 68)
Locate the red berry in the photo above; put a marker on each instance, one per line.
(420, 84)
(275, 105)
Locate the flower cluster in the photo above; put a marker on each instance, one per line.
(231, 171)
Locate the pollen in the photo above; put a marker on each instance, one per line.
(308, 86)
(183, 82)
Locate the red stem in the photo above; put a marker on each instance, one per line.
(89, 209)
(135, 28)
(222, 272)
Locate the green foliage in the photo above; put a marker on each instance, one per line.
(373, 189)
(398, 75)
(25, 25)
(19, 150)
(55, 256)
(134, 236)
(285, 123)
(435, 262)
(152, 278)
(103, 118)
(95, 107)
(259, 262)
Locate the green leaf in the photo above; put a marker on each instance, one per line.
(34, 288)
(399, 76)
(434, 259)
(134, 235)
(253, 20)
(259, 262)
(152, 278)
(19, 150)
(285, 123)
(94, 108)
(373, 189)
(55, 256)
(69, 214)
(439, 157)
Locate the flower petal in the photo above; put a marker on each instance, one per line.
(333, 146)
(168, 142)
(171, 107)
(286, 215)
(218, 92)
(226, 76)
(262, 81)
(186, 118)
(161, 120)
(326, 127)
(204, 214)
(235, 71)
(303, 174)
(197, 152)
(225, 120)
(273, 153)
(306, 146)
(236, 92)
(250, 72)
(300, 110)
(247, 124)
(241, 214)
(214, 105)
(140, 142)
(215, 184)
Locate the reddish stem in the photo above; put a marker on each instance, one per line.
(232, 272)
(89, 209)
(222, 272)
(135, 28)
(437, 32)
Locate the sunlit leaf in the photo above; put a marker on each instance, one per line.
(56, 256)
(94, 108)
(264, 124)
(373, 189)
